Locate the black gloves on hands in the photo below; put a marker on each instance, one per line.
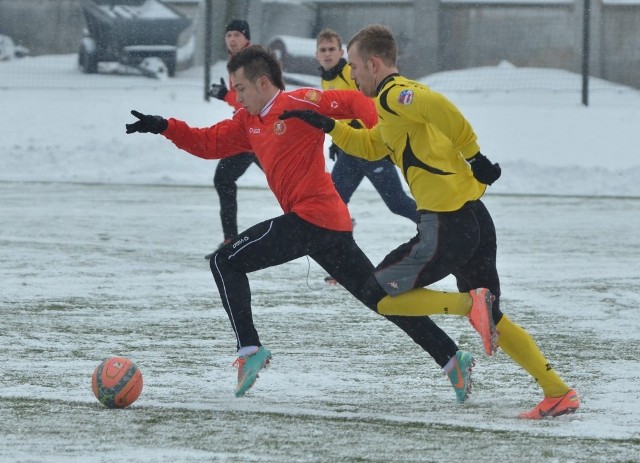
(333, 152)
(484, 170)
(218, 91)
(147, 124)
(326, 124)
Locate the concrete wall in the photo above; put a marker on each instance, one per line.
(433, 35)
(526, 35)
(43, 26)
(437, 35)
(620, 49)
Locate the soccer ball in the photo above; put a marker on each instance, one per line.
(116, 382)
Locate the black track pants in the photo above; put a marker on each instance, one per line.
(228, 171)
(288, 237)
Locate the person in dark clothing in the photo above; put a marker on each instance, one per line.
(237, 37)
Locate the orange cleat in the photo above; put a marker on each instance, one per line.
(481, 319)
(551, 407)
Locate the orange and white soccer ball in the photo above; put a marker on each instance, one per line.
(117, 382)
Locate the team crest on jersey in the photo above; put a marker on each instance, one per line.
(313, 96)
(279, 127)
(334, 104)
(405, 97)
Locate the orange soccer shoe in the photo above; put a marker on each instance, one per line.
(551, 407)
(481, 319)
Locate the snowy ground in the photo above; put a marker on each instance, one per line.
(61, 125)
(90, 271)
(101, 253)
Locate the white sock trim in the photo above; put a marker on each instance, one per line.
(450, 365)
(247, 350)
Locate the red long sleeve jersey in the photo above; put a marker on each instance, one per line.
(290, 151)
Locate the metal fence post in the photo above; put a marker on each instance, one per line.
(586, 32)
(208, 46)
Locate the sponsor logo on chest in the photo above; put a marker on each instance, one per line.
(278, 128)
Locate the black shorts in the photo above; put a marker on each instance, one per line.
(460, 243)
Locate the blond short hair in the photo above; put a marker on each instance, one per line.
(328, 34)
(376, 40)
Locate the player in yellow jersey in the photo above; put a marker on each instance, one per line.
(436, 149)
(349, 171)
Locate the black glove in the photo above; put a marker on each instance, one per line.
(218, 91)
(333, 152)
(484, 170)
(147, 124)
(312, 118)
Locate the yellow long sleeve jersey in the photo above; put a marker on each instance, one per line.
(340, 80)
(426, 136)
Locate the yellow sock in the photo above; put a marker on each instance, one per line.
(521, 347)
(421, 301)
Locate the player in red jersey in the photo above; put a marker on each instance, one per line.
(316, 222)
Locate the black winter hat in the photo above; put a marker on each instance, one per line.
(239, 25)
